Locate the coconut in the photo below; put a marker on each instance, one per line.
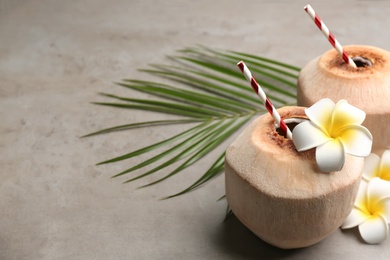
(279, 193)
(366, 87)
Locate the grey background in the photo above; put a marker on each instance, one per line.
(55, 56)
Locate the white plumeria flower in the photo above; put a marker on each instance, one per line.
(374, 166)
(371, 211)
(335, 129)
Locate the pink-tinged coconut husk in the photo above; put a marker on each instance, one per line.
(279, 193)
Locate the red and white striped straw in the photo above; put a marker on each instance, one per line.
(268, 105)
(321, 25)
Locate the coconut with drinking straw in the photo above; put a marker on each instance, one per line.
(275, 185)
(367, 86)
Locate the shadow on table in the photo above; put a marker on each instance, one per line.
(240, 242)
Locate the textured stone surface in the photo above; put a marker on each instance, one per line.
(55, 56)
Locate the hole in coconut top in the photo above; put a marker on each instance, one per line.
(291, 123)
(362, 62)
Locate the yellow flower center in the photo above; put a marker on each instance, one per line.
(375, 208)
(385, 173)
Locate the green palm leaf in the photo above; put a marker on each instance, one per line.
(206, 91)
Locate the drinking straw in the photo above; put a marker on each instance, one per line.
(321, 25)
(268, 105)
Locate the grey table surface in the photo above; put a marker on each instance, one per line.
(55, 56)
